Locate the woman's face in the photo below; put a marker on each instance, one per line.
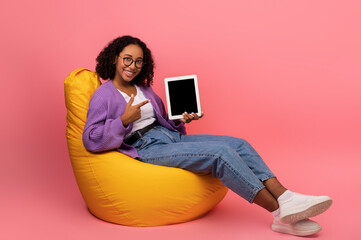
(131, 54)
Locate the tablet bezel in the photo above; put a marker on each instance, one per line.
(180, 78)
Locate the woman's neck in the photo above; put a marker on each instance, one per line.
(125, 87)
(121, 84)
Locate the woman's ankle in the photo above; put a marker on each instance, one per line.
(266, 200)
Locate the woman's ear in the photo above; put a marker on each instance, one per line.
(115, 60)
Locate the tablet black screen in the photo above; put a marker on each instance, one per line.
(182, 95)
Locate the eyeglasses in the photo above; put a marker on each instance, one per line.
(129, 61)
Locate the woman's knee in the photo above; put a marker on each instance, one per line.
(244, 144)
(243, 141)
(237, 142)
(223, 148)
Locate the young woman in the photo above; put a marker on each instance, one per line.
(126, 115)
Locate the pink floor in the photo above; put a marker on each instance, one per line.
(35, 205)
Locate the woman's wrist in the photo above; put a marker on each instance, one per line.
(124, 121)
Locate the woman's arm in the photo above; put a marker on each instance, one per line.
(102, 133)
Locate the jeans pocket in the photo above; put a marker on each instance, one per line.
(168, 134)
(139, 143)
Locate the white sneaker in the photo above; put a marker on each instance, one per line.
(298, 207)
(304, 227)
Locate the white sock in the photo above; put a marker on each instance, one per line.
(287, 194)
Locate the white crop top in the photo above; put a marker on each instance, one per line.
(147, 112)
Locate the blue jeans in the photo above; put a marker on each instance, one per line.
(232, 160)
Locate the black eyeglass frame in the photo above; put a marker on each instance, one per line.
(132, 60)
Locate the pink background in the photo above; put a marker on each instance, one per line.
(285, 75)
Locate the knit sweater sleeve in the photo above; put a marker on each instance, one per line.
(102, 133)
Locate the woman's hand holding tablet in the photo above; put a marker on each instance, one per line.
(187, 118)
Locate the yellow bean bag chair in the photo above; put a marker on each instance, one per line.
(123, 190)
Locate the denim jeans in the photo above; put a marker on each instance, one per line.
(232, 160)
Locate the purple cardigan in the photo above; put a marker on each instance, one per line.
(105, 131)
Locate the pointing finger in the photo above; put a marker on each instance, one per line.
(142, 103)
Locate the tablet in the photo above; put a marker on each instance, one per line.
(182, 96)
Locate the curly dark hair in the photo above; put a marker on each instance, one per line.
(105, 66)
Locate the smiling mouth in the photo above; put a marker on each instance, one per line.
(129, 74)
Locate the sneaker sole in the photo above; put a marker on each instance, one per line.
(286, 230)
(307, 212)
